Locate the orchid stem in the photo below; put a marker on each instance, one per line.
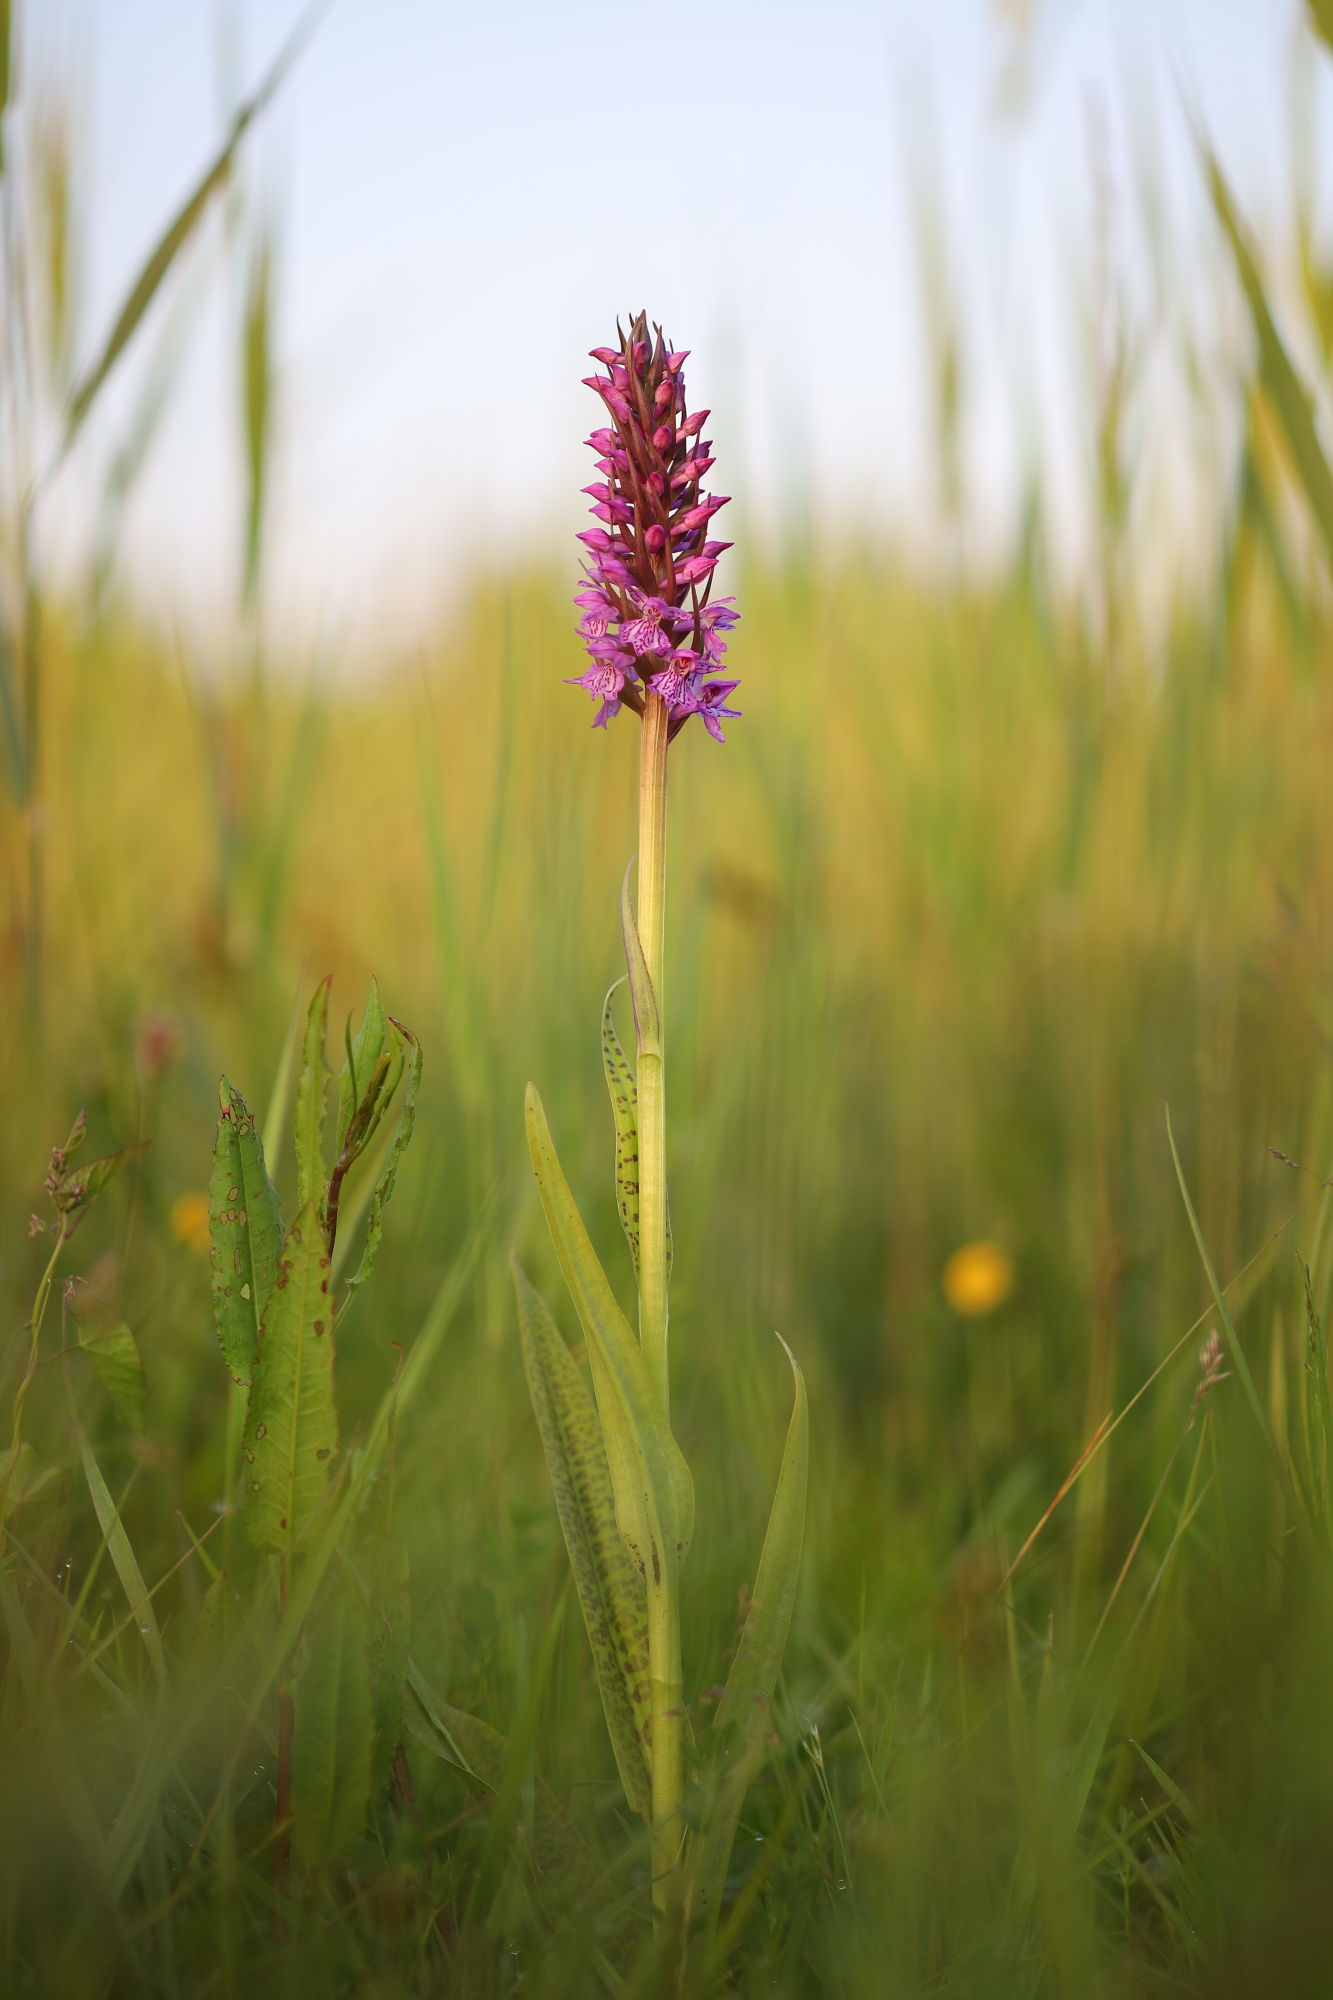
(651, 917)
(664, 1670)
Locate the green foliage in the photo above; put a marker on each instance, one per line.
(654, 1493)
(291, 1428)
(311, 1095)
(335, 1727)
(245, 1232)
(112, 1352)
(610, 1585)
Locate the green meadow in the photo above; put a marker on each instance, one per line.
(980, 889)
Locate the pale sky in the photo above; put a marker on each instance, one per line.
(465, 198)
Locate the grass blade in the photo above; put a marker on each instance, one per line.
(291, 1428)
(611, 1591)
(182, 226)
(758, 1660)
(335, 1729)
(1290, 399)
(245, 1232)
(121, 1553)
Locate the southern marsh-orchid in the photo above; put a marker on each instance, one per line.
(623, 1491)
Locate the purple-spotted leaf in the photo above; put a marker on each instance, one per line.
(624, 1095)
(653, 1489)
(245, 1232)
(291, 1426)
(611, 1590)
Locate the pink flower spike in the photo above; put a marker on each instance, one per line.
(638, 596)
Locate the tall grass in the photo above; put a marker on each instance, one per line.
(955, 915)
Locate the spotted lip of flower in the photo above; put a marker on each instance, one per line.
(647, 621)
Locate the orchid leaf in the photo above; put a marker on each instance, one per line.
(758, 1660)
(335, 1729)
(291, 1428)
(245, 1232)
(610, 1588)
(625, 1111)
(654, 1493)
(402, 1139)
(647, 1019)
(112, 1352)
(311, 1092)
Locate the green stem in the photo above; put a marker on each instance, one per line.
(664, 1669)
(38, 1314)
(651, 918)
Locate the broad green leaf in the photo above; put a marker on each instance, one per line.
(98, 1173)
(311, 1092)
(113, 1353)
(335, 1729)
(122, 1554)
(245, 1231)
(363, 1054)
(388, 1181)
(182, 227)
(390, 1637)
(755, 1669)
(291, 1426)
(610, 1588)
(1291, 400)
(652, 1484)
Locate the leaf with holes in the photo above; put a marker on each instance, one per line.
(291, 1427)
(245, 1232)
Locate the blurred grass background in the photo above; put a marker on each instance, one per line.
(980, 883)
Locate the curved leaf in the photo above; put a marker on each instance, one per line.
(245, 1232)
(653, 1489)
(112, 1353)
(610, 1588)
(388, 1181)
(625, 1111)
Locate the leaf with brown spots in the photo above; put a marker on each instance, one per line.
(291, 1429)
(245, 1232)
